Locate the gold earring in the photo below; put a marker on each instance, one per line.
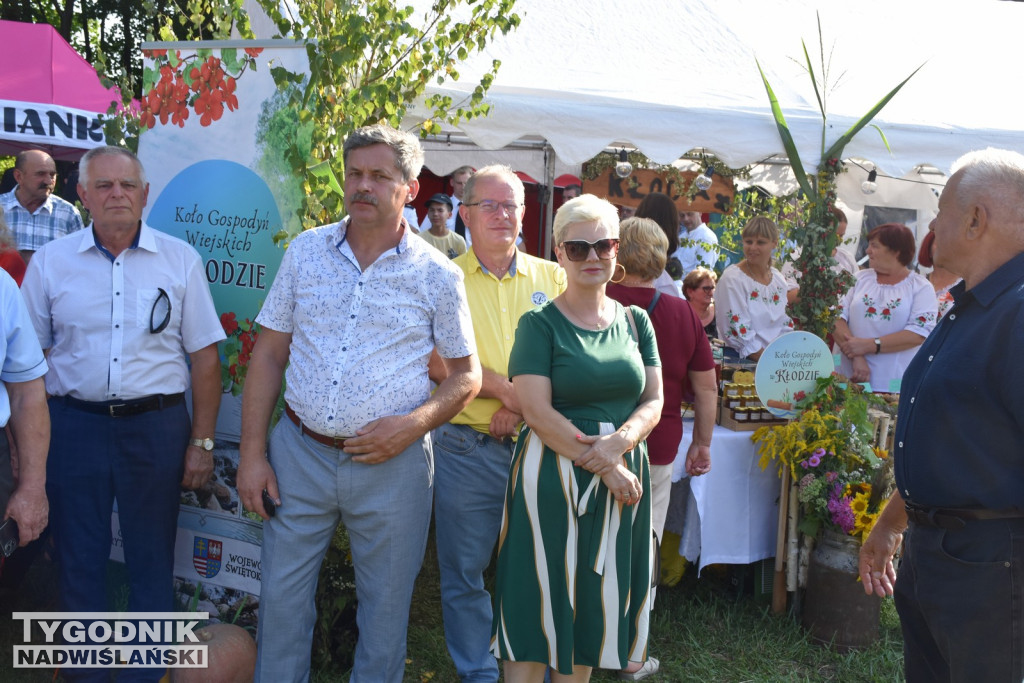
(613, 280)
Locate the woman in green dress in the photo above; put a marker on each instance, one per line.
(574, 556)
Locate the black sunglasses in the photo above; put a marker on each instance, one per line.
(155, 327)
(579, 250)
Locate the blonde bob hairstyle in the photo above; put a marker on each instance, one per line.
(642, 248)
(584, 209)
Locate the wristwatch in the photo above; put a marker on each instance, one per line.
(205, 444)
(878, 345)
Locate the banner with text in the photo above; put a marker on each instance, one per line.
(214, 124)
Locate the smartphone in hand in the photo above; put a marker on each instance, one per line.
(9, 537)
(268, 504)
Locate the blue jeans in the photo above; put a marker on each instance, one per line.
(138, 460)
(469, 497)
(385, 509)
(960, 597)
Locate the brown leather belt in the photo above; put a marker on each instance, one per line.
(332, 441)
(953, 519)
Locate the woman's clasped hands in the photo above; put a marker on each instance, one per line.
(604, 458)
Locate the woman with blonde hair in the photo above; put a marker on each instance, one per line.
(751, 306)
(574, 554)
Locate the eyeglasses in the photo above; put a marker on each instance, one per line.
(491, 206)
(708, 288)
(161, 311)
(579, 250)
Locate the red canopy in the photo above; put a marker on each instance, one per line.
(50, 97)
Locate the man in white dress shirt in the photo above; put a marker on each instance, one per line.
(127, 316)
(698, 244)
(357, 307)
(23, 409)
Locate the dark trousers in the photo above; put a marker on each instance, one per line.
(960, 597)
(139, 461)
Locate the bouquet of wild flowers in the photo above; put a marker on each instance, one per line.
(844, 480)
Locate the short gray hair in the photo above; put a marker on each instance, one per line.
(108, 151)
(584, 209)
(499, 171)
(406, 146)
(996, 173)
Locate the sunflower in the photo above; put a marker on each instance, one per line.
(859, 504)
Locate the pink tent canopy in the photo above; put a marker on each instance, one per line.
(50, 97)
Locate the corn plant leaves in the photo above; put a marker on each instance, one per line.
(836, 150)
(787, 137)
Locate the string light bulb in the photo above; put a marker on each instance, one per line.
(869, 186)
(623, 168)
(703, 181)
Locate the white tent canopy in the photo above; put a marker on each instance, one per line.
(671, 77)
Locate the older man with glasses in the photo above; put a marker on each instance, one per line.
(128, 319)
(472, 452)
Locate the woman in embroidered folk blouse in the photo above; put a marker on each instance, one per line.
(886, 314)
(751, 298)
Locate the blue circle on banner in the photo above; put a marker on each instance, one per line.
(789, 366)
(228, 214)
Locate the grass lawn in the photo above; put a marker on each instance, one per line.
(702, 630)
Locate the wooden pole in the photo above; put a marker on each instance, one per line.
(779, 585)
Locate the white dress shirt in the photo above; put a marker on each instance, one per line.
(703, 253)
(94, 315)
(21, 359)
(361, 339)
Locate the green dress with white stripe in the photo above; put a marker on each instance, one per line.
(574, 566)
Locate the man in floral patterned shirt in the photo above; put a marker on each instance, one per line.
(357, 307)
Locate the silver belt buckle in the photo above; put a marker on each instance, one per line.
(111, 408)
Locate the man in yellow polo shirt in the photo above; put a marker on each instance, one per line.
(473, 451)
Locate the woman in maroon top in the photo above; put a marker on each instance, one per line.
(685, 360)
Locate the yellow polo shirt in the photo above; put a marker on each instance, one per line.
(495, 307)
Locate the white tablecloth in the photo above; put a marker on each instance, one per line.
(732, 514)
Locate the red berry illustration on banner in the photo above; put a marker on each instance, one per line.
(203, 83)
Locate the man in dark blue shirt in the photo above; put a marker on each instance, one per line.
(958, 455)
